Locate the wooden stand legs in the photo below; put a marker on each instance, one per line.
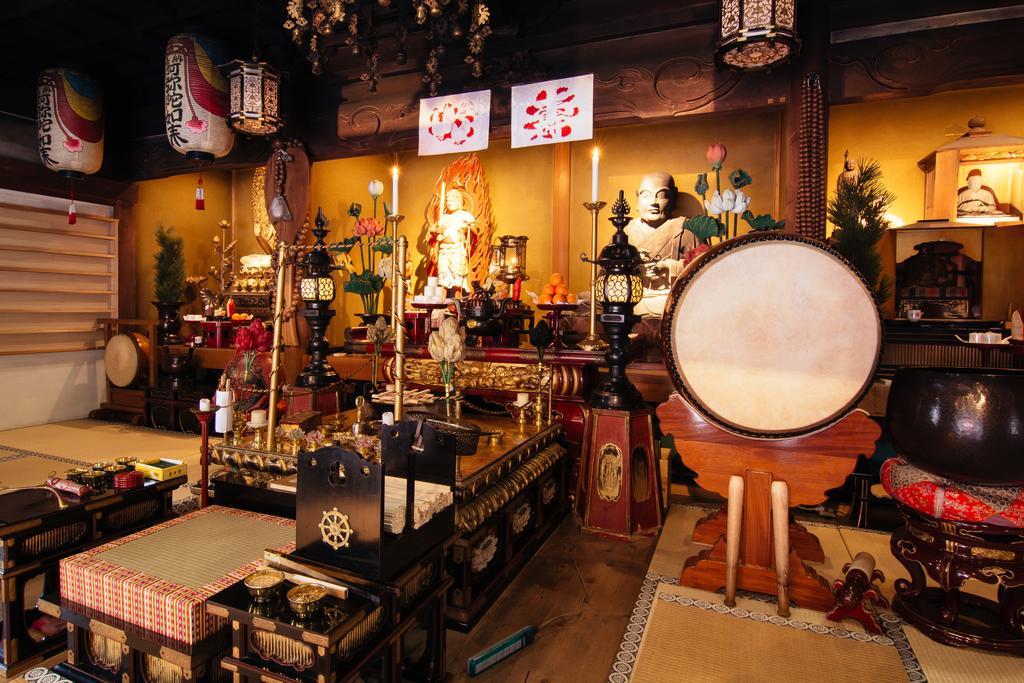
(767, 557)
(780, 537)
(732, 538)
(760, 560)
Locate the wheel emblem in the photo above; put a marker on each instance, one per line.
(335, 530)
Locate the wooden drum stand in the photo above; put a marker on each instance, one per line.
(806, 465)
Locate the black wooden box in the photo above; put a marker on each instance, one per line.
(339, 519)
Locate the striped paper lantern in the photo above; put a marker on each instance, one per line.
(69, 122)
(196, 97)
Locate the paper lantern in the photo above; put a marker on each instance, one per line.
(756, 34)
(196, 97)
(69, 122)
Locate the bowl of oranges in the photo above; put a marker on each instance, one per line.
(555, 295)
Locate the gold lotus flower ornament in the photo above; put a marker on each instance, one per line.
(447, 346)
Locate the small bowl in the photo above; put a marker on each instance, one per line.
(126, 462)
(75, 474)
(101, 465)
(263, 584)
(306, 599)
(96, 479)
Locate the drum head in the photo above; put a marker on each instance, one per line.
(122, 359)
(771, 335)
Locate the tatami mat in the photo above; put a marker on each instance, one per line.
(30, 454)
(923, 659)
(735, 647)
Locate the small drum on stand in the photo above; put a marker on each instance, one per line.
(126, 359)
(771, 340)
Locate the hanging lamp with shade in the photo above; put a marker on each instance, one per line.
(756, 34)
(196, 101)
(69, 126)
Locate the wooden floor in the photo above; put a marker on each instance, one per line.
(580, 647)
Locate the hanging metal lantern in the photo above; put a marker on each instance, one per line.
(196, 97)
(756, 34)
(69, 125)
(255, 87)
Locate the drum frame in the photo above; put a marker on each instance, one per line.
(703, 261)
(127, 403)
(143, 349)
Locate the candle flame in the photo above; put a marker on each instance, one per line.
(394, 171)
(597, 154)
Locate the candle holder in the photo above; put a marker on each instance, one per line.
(393, 220)
(592, 342)
(539, 412)
(401, 247)
(519, 413)
(204, 417)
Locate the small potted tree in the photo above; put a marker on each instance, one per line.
(168, 284)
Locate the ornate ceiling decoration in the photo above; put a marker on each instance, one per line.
(313, 23)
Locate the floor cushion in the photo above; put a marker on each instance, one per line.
(958, 501)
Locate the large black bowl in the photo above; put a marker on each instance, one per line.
(965, 424)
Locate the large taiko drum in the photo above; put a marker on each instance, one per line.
(771, 335)
(126, 358)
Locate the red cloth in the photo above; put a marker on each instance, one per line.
(943, 498)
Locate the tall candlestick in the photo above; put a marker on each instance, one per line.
(592, 342)
(394, 189)
(400, 252)
(595, 160)
(275, 355)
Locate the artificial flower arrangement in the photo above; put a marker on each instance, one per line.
(374, 248)
(734, 202)
(447, 346)
(252, 340)
(378, 334)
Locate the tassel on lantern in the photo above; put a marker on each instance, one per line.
(279, 209)
(200, 197)
(72, 212)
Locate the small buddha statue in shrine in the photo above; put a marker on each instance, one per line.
(976, 199)
(450, 240)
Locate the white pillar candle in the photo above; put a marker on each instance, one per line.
(522, 399)
(388, 418)
(258, 418)
(204, 404)
(222, 420)
(593, 179)
(394, 189)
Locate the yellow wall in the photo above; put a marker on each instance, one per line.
(678, 147)
(899, 133)
(171, 202)
(521, 199)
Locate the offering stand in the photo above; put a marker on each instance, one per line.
(32, 543)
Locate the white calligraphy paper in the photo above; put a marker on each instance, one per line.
(553, 111)
(455, 123)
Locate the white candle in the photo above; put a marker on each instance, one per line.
(204, 404)
(388, 418)
(593, 179)
(258, 418)
(522, 399)
(222, 420)
(394, 189)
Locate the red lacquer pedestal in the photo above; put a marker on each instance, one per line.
(619, 491)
